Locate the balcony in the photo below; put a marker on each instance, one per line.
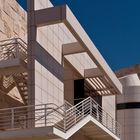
(13, 56)
(13, 68)
(52, 121)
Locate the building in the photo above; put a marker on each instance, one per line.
(56, 85)
(128, 104)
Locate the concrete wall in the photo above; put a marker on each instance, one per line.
(129, 118)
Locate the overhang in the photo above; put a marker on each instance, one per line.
(72, 48)
(100, 84)
(62, 14)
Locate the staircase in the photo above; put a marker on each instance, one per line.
(64, 120)
(21, 84)
(13, 67)
(85, 108)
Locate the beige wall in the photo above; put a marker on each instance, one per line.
(109, 105)
(51, 39)
(48, 88)
(13, 23)
(13, 20)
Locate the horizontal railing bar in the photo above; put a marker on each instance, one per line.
(28, 106)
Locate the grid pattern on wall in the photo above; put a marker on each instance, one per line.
(13, 20)
(51, 38)
(47, 87)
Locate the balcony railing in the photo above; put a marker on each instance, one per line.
(62, 117)
(13, 48)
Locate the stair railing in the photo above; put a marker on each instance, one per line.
(90, 107)
(61, 117)
(13, 48)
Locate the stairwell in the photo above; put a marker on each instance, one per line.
(21, 84)
(13, 67)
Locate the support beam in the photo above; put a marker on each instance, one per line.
(91, 73)
(62, 14)
(50, 15)
(72, 48)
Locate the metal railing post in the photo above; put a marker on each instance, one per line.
(17, 48)
(106, 120)
(116, 130)
(113, 126)
(82, 109)
(90, 106)
(65, 121)
(12, 118)
(97, 109)
(75, 112)
(45, 113)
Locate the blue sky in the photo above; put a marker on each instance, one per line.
(113, 25)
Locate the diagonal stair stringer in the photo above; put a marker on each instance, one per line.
(80, 125)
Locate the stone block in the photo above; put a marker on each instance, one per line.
(1, 26)
(7, 30)
(1, 4)
(7, 19)
(13, 4)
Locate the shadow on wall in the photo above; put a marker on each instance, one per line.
(50, 63)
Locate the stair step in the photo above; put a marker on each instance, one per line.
(22, 86)
(21, 82)
(24, 90)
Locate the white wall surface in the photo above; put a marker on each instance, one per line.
(129, 118)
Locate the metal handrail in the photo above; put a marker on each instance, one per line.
(13, 48)
(61, 117)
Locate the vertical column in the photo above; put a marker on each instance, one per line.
(31, 59)
(32, 29)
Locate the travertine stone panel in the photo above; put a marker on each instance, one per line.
(41, 4)
(109, 105)
(13, 20)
